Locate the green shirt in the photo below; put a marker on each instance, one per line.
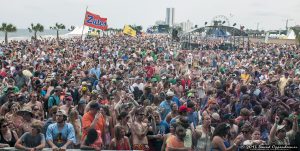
(143, 53)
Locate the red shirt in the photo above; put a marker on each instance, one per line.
(3, 74)
(150, 71)
(186, 83)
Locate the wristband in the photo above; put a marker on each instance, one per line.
(234, 145)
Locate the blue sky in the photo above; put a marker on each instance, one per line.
(270, 14)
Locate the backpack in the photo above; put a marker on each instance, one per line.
(137, 93)
(46, 108)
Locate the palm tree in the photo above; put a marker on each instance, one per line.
(71, 28)
(138, 29)
(179, 29)
(111, 31)
(296, 30)
(119, 30)
(6, 28)
(58, 27)
(36, 28)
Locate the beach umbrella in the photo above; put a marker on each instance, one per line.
(27, 73)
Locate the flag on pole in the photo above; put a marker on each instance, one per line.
(129, 31)
(95, 21)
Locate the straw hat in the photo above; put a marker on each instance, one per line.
(24, 111)
(273, 79)
(27, 73)
(216, 116)
(244, 112)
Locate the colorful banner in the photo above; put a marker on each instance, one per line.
(95, 21)
(129, 31)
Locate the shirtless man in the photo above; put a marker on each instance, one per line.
(68, 106)
(139, 131)
(28, 119)
(34, 101)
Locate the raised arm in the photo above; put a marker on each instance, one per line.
(295, 123)
(273, 129)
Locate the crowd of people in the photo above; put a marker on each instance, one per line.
(145, 93)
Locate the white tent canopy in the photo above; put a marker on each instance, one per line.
(291, 34)
(77, 32)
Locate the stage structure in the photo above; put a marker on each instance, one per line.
(219, 30)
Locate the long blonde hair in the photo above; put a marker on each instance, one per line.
(72, 115)
(72, 120)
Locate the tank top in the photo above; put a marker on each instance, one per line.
(174, 143)
(106, 132)
(226, 143)
(123, 145)
(11, 143)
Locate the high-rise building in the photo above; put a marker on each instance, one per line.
(185, 26)
(170, 15)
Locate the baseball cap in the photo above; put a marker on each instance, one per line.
(69, 98)
(62, 112)
(183, 108)
(170, 93)
(215, 116)
(190, 95)
(81, 101)
(95, 105)
(280, 127)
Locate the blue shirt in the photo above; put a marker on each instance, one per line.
(59, 138)
(163, 128)
(43, 92)
(167, 109)
(53, 100)
(125, 57)
(173, 120)
(96, 71)
(193, 118)
(176, 100)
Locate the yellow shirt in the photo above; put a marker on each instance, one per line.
(245, 77)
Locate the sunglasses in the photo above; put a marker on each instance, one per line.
(281, 130)
(3, 126)
(245, 131)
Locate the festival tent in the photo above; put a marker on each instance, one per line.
(291, 34)
(77, 32)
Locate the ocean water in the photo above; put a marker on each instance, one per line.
(23, 34)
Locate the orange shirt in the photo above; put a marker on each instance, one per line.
(87, 120)
(173, 142)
